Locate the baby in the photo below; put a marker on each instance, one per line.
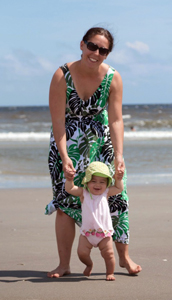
(96, 229)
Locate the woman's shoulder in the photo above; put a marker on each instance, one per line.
(110, 71)
(114, 71)
(71, 65)
(58, 79)
(63, 68)
(61, 72)
(117, 79)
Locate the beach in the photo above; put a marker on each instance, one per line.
(28, 250)
(28, 245)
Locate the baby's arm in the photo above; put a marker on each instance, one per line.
(73, 189)
(117, 188)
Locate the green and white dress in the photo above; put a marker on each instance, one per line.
(88, 140)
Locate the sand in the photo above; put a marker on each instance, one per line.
(28, 250)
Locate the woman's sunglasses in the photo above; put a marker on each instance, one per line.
(93, 47)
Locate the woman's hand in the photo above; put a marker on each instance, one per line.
(68, 169)
(119, 166)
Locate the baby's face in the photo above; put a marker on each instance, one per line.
(97, 185)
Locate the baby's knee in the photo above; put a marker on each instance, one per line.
(107, 252)
(82, 253)
(83, 250)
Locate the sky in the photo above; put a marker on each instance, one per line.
(38, 36)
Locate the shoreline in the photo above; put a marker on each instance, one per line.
(9, 182)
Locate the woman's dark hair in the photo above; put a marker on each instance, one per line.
(101, 31)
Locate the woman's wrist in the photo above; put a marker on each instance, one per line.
(64, 157)
(118, 154)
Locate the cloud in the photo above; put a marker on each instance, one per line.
(120, 57)
(140, 47)
(45, 64)
(135, 61)
(25, 63)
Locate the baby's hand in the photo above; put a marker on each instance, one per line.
(118, 176)
(71, 178)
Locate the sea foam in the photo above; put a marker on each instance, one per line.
(141, 135)
(44, 136)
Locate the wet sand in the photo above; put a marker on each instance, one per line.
(28, 250)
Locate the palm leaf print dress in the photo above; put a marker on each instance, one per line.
(88, 140)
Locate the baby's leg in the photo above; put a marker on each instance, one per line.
(106, 248)
(84, 249)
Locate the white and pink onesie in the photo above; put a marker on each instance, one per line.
(96, 219)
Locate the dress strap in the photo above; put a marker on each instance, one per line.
(67, 75)
(65, 69)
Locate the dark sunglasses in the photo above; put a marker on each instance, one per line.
(93, 47)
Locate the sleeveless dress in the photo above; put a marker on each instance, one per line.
(96, 218)
(88, 140)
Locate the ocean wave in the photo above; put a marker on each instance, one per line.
(126, 116)
(144, 124)
(147, 179)
(141, 135)
(44, 136)
(24, 136)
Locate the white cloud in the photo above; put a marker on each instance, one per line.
(46, 65)
(24, 63)
(120, 57)
(137, 64)
(140, 47)
(64, 58)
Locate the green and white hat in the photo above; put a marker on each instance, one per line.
(97, 168)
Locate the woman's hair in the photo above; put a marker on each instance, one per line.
(100, 31)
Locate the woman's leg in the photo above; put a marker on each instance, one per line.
(121, 234)
(124, 259)
(121, 239)
(65, 233)
(84, 249)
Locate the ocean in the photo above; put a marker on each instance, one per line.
(24, 145)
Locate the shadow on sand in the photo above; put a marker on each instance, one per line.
(10, 276)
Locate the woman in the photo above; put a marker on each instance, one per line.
(83, 131)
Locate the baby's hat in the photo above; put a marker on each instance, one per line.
(97, 168)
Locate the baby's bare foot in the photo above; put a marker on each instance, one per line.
(110, 277)
(131, 266)
(58, 272)
(87, 271)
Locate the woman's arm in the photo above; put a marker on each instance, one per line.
(57, 104)
(73, 189)
(116, 121)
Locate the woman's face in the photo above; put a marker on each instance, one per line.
(94, 57)
(97, 185)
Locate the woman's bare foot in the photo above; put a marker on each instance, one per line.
(87, 271)
(110, 277)
(130, 265)
(58, 272)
